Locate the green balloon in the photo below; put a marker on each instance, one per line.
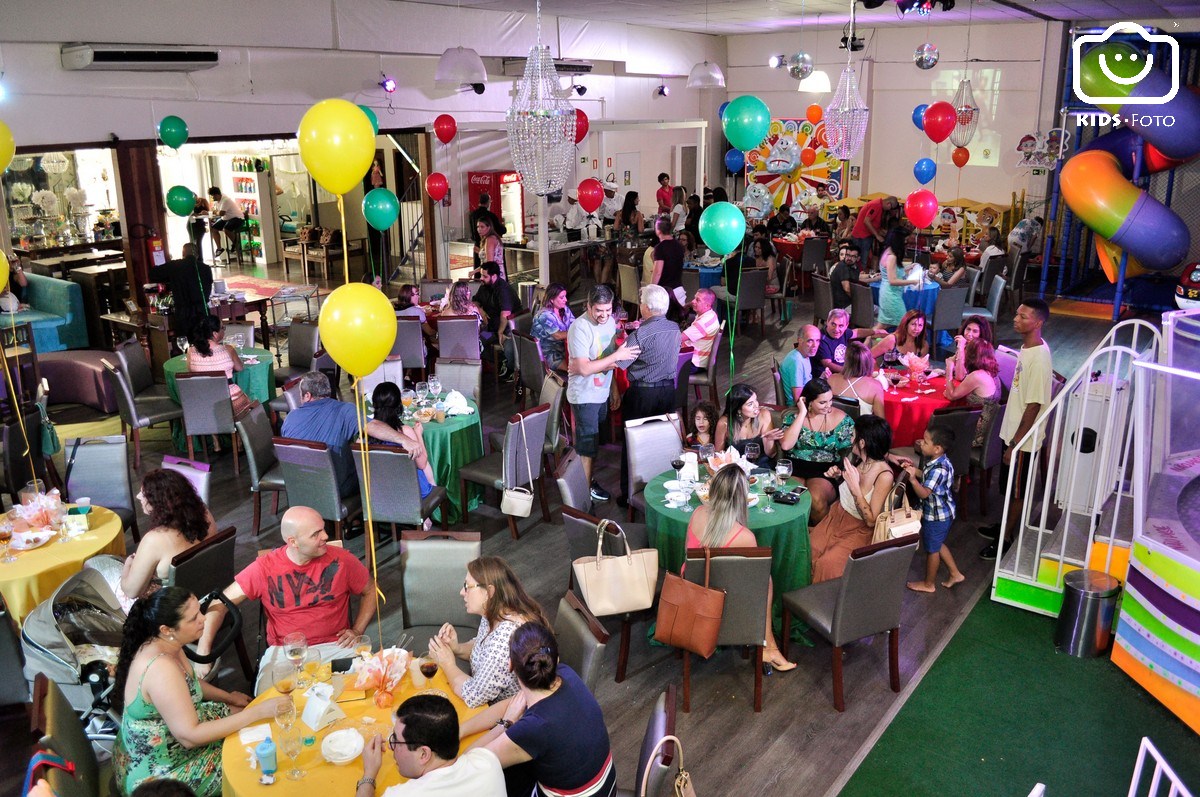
(181, 200)
(722, 227)
(381, 208)
(746, 122)
(173, 131)
(371, 115)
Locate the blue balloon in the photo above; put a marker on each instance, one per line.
(924, 170)
(721, 112)
(735, 161)
(918, 115)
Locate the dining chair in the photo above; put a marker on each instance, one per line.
(388, 371)
(243, 328)
(138, 413)
(948, 311)
(847, 405)
(744, 575)
(777, 381)
(973, 275)
(433, 566)
(962, 422)
(864, 602)
(308, 473)
(207, 409)
(14, 689)
(862, 305)
(266, 475)
(289, 398)
(581, 639)
(395, 491)
(995, 296)
(1006, 359)
(54, 720)
(708, 377)
(682, 386)
(512, 466)
(409, 345)
(572, 481)
(822, 299)
(781, 302)
(627, 277)
(132, 363)
(813, 255)
(1017, 279)
(690, 279)
(98, 468)
(198, 474)
(524, 318)
(752, 295)
(303, 342)
(986, 457)
(458, 337)
(553, 392)
(465, 376)
(434, 289)
(660, 725)
(992, 267)
(651, 444)
(531, 367)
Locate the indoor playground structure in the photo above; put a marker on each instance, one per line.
(1123, 239)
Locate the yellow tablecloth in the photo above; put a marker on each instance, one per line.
(37, 573)
(322, 778)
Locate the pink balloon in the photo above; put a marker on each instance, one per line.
(940, 120)
(921, 208)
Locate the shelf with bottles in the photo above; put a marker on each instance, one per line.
(249, 207)
(246, 186)
(246, 163)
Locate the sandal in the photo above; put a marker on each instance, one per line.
(779, 663)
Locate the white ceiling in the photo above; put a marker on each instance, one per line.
(728, 17)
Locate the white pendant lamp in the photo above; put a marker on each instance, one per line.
(706, 75)
(459, 66)
(816, 83)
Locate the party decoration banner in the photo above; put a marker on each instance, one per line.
(766, 164)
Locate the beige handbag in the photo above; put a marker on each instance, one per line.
(617, 584)
(518, 501)
(683, 780)
(900, 522)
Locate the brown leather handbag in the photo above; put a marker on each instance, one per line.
(689, 615)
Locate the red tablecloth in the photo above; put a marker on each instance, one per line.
(908, 419)
(972, 257)
(785, 248)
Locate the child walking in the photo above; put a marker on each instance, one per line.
(935, 488)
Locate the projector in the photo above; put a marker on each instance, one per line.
(854, 44)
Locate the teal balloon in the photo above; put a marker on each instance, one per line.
(371, 115)
(180, 200)
(924, 170)
(722, 227)
(381, 208)
(173, 131)
(746, 122)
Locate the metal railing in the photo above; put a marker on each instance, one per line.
(1175, 785)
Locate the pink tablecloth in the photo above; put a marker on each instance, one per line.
(908, 412)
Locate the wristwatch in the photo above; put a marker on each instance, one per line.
(503, 722)
(361, 781)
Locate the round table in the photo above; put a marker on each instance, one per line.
(908, 412)
(38, 572)
(257, 380)
(924, 300)
(972, 257)
(709, 275)
(321, 777)
(452, 444)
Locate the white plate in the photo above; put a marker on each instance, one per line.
(30, 540)
(672, 485)
(752, 499)
(348, 742)
(676, 498)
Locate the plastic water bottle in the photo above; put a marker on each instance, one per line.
(265, 752)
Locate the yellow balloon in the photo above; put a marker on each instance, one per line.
(358, 326)
(337, 144)
(8, 146)
(3, 269)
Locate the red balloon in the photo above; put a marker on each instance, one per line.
(436, 186)
(940, 120)
(921, 208)
(591, 194)
(814, 113)
(960, 156)
(445, 128)
(581, 127)
(808, 156)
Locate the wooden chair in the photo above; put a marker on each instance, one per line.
(139, 412)
(458, 337)
(661, 724)
(266, 475)
(243, 328)
(572, 482)
(531, 368)
(781, 302)
(395, 490)
(777, 381)
(409, 346)
(198, 474)
(651, 444)
(553, 391)
(465, 376)
(98, 468)
(304, 340)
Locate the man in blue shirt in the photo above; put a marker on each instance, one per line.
(796, 369)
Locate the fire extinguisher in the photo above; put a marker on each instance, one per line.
(155, 249)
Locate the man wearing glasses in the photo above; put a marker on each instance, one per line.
(424, 742)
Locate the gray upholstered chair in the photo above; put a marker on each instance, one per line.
(987, 456)
(288, 399)
(265, 473)
(651, 444)
(208, 567)
(627, 280)
(822, 299)
(781, 302)
(388, 371)
(962, 421)
(132, 362)
(98, 468)
(304, 339)
(682, 372)
(14, 689)
(198, 474)
(395, 491)
(243, 328)
(513, 465)
(660, 724)
(55, 721)
(709, 375)
(947, 314)
(847, 405)
(752, 295)
(581, 639)
(465, 376)
(531, 368)
(433, 565)
(862, 305)
(523, 322)
(777, 380)
(458, 337)
(409, 345)
(308, 472)
(813, 256)
(434, 289)
(207, 409)
(690, 279)
(572, 482)
(973, 276)
(1006, 359)
(865, 601)
(552, 391)
(991, 311)
(139, 412)
(745, 575)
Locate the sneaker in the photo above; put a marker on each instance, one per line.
(220, 251)
(990, 551)
(991, 532)
(599, 493)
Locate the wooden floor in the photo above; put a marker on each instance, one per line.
(798, 745)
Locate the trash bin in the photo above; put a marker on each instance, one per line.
(1085, 623)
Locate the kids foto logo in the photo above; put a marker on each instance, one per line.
(1122, 67)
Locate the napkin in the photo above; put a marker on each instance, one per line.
(456, 404)
(253, 734)
(908, 398)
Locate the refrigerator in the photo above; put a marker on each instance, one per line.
(508, 198)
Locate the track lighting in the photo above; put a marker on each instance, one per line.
(388, 84)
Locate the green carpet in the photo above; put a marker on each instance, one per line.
(1001, 711)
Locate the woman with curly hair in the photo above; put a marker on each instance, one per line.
(178, 519)
(980, 387)
(702, 430)
(460, 301)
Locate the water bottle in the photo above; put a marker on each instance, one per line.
(265, 752)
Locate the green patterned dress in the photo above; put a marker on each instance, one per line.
(146, 750)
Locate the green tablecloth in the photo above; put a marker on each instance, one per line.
(451, 445)
(257, 380)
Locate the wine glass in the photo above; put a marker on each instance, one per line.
(687, 487)
(677, 464)
(422, 392)
(769, 488)
(752, 452)
(295, 648)
(285, 715)
(308, 670)
(406, 398)
(283, 678)
(783, 470)
(292, 744)
(6, 532)
(239, 342)
(435, 387)
(894, 378)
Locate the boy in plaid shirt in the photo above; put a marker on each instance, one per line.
(935, 487)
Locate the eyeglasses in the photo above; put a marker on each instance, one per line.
(393, 742)
(468, 587)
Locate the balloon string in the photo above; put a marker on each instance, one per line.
(12, 392)
(731, 310)
(360, 411)
(345, 241)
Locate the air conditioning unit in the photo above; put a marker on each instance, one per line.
(135, 58)
(515, 67)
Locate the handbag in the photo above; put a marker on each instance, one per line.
(689, 615)
(518, 501)
(683, 779)
(617, 584)
(899, 522)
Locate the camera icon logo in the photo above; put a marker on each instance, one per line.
(1120, 76)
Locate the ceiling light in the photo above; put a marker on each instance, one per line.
(706, 75)
(776, 61)
(460, 66)
(921, 7)
(663, 90)
(580, 90)
(816, 83)
(388, 84)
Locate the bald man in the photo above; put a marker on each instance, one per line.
(796, 369)
(304, 586)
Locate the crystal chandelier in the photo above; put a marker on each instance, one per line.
(966, 114)
(55, 163)
(541, 124)
(847, 116)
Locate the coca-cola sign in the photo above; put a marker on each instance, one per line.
(481, 179)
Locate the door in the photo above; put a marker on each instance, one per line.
(686, 172)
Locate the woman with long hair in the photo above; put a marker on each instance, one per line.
(678, 209)
(818, 437)
(492, 591)
(746, 422)
(692, 224)
(210, 352)
(629, 215)
(688, 241)
(844, 224)
(551, 325)
(856, 380)
(864, 492)
(460, 301)
(702, 430)
(722, 524)
(172, 723)
(764, 257)
(892, 278)
(910, 334)
(951, 271)
(388, 407)
(178, 520)
(490, 248)
(972, 328)
(981, 387)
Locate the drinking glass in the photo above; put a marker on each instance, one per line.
(783, 470)
(707, 451)
(422, 392)
(435, 387)
(285, 715)
(295, 647)
(406, 398)
(677, 464)
(292, 744)
(283, 677)
(687, 487)
(239, 341)
(894, 378)
(429, 667)
(308, 670)
(752, 452)
(362, 645)
(6, 532)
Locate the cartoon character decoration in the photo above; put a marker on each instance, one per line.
(984, 219)
(784, 157)
(1187, 292)
(803, 198)
(1026, 235)
(1044, 151)
(757, 202)
(950, 227)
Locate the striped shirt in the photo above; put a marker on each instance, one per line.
(939, 480)
(702, 333)
(658, 339)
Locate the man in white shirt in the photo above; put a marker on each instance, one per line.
(424, 742)
(229, 219)
(611, 206)
(703, 331)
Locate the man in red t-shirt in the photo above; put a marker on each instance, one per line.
(304, 586)
(872, 224)
(663, 194)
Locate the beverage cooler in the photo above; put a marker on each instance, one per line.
(508, 198)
